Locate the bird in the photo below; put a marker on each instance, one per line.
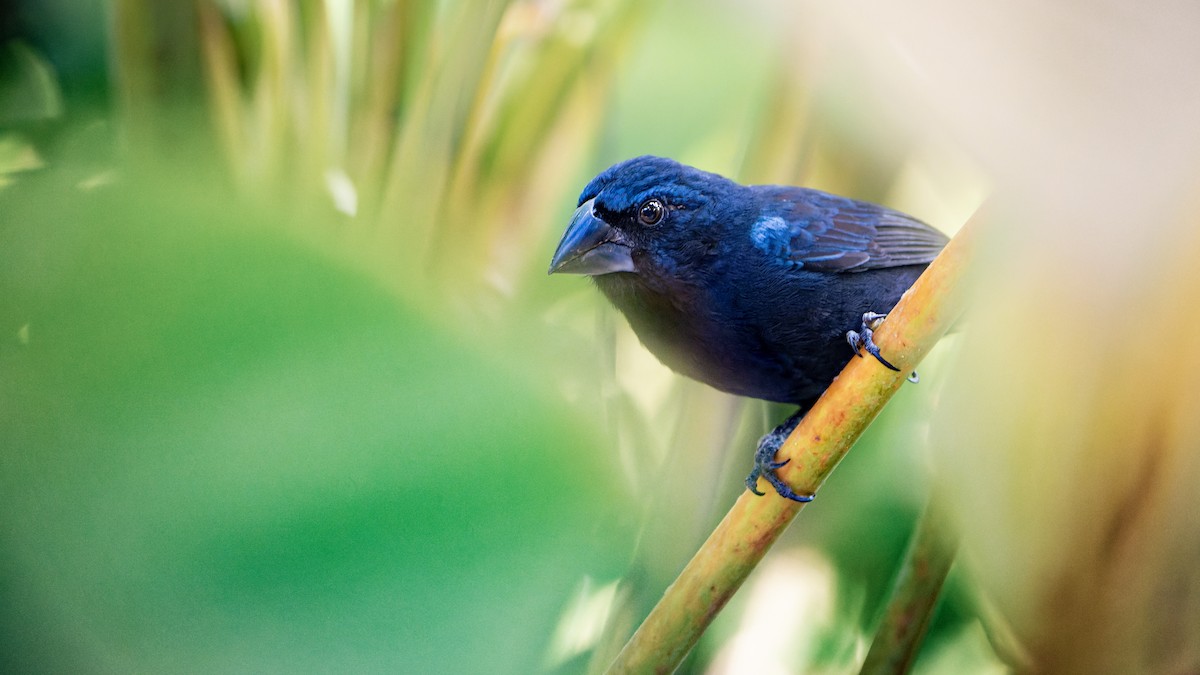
(752, 289)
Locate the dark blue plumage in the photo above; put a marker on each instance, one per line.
(751, 289)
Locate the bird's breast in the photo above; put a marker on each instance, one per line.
(706, 336)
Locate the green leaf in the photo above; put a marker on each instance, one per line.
(224, 451)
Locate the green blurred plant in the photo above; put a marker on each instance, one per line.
(227, 452)
(443, 132)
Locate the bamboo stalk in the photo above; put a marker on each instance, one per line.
(816, 446)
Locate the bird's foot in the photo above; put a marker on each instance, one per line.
(861, 339)
(765, 464)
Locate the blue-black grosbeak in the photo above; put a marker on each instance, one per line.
(748, 288)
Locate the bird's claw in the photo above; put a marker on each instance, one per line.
(765, 464)
(861, 340)
(752, 481)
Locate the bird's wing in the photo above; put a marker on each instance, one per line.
(826, 233)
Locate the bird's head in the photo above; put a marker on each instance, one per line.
(648, 215)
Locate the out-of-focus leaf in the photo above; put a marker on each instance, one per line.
(29, 90)
(222, 451)
(16, 155)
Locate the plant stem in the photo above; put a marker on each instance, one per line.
(914, 595)
(822, 438)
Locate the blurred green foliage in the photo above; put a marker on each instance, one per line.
(285, 386)
(225, 452)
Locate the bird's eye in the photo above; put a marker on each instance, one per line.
(651, 211)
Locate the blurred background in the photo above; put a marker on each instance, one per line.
(284, 385)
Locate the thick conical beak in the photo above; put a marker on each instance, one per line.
(591, 246)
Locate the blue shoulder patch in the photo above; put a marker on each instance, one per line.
(772, 235)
